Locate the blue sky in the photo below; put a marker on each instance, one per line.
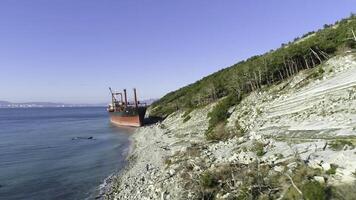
(72, 50)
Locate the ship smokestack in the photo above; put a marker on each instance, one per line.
(136, 103)
(125, 95)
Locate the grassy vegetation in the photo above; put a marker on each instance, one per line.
(343, 192)
(218, 118)
(253, 180)
(338, 145)
(259, 181)
(187, 118)
(272, 67)
(219, 112)
(258, 148)
(313, 190)
(239, 130)
(218, 132)
(208, 180)
(167, 162)
(187, 112)
(332, 169)
(318, 73)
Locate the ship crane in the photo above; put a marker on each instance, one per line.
(114, 102)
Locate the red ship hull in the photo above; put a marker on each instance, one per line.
(128, 117)
(126, 121)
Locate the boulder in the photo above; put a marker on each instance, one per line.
(279, 168)
(172, 172)
(319, 179)
(326, 166)
(292, 165)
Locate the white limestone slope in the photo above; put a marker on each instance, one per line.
(327, 104)
(308, 114)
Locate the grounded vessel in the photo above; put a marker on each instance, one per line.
(124, 113)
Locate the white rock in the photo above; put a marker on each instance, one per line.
(225, 196)
(326, 166)
(292, 165)
(320, 179)
(279, 168)
(241, 139)
(172, 172)
(196, 168)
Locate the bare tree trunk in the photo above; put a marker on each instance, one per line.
(294, 64)
(311, 57)
(306, 62)
(353, 33)
(280, 75)
(295, 187)
(272, 78)
(286, 67)
(260, 77)
(325, 55)
(256, 80)
(316, 55)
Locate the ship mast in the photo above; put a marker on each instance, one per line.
(112, 98)
(125, 95)
(136, 103)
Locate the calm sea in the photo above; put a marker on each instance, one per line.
(45, 153)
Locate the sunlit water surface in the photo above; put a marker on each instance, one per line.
(45, 153)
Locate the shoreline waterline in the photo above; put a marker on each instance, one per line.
(106, 187)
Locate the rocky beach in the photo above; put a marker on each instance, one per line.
(302, 128)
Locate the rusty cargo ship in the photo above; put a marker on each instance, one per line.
(124, 113)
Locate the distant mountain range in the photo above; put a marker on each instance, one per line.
(7, 104)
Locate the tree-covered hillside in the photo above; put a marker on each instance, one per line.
(303, 53)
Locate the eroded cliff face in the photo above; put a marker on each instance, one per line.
(298, 136)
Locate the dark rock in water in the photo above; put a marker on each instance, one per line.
(1, 186)
(83, 138)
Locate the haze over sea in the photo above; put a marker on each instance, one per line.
(45, 153)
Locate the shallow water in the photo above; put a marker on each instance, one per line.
(44, 153)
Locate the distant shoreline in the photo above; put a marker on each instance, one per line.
(29, 107)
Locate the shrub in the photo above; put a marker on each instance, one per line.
(343, 191)
(187, 112)
(332, 169)
(317, 73)
(338, 145)
(321, 70)
(279, 155)
(313, 190)
(220, 111)
(218, 117)
(218, 133)
(167, 161)
(258, 148)
(187, 118)
(239, 130)
(208, 180)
